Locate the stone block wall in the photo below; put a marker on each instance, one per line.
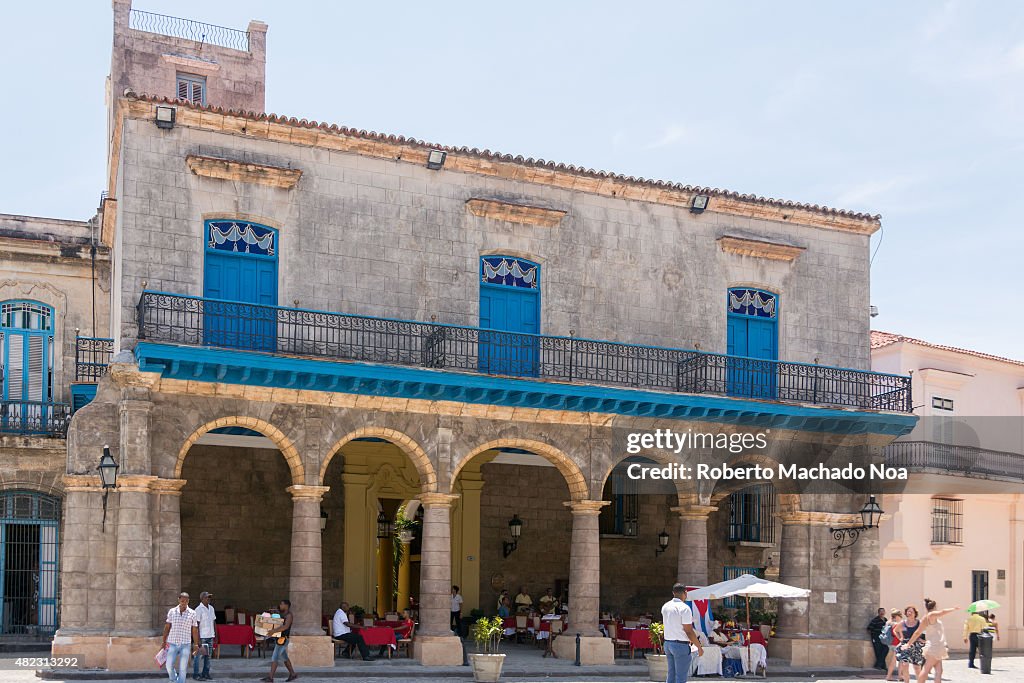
(536, 494)
(236, 526)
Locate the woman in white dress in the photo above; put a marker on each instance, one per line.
(935, 649)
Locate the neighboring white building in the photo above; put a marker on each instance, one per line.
(957, 534)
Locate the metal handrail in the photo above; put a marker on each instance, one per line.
(189, 29)
(34, 418)
(968, 460)
(200, 321)
(92, 356)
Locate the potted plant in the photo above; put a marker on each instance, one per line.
(487, 661)
(358, 612)
(657, 664)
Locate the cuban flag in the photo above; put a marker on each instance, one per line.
(702, 619)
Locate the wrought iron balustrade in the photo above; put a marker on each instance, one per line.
(966, 460)
(92, 356)
(34, 418)
(176, 27)
(197, 321)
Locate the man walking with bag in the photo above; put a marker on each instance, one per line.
(180, 632)
(679, 635)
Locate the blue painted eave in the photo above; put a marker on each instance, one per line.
(257, 369)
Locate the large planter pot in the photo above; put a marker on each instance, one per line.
(657, 667)
(487, 668)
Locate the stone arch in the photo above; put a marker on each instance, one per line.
(283, 443)
(428, 477)
(684, 496)
(724, 488)
(571, 472)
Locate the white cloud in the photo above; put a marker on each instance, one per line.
(672, 135)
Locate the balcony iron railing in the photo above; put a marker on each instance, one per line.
(92, 356)
(963, 460)
(34, 418)
(189, 29)
(197, 321)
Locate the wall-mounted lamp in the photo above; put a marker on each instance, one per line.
(385, 527)
(662, 543)
(323, 519)
(870, 516)
(873, 311)
(108, 478)
(515, 529)
(699, 203)
(165, 116)
(436, 159)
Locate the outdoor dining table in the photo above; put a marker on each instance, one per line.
(378, 636)
(639, 638)
(236, 634)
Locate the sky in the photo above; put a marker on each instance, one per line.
(913, 110)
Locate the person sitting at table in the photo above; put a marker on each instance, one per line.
(547, 602)
(718, 634)
(341, 629)
(505, 608)
(502, 595)
(404, 628)
(523, 601)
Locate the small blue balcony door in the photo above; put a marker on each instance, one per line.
(241, 272)
(26, 366)
(510, 317)
(752, 344)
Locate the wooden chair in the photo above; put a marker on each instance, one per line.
(617, 643)
(556, 629)
(535, 623)
(392, 616)
(521, 626)
(630, 624)
(407, 642)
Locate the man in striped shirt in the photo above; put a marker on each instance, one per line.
(180, 633)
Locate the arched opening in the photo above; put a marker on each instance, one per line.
(236, 514)
(29, 545)
(508, 481)
(373, 475)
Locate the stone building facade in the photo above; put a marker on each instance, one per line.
(316, 326)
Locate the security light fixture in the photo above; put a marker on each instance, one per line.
(436, 159)
(515, 529)
(662, 543)
(870, 516)
(385, 527)
(699, 203)
(873, 310)
(108, 478)
(165, 116)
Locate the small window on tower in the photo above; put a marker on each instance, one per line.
(192, 88)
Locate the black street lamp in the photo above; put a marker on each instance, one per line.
(385, 528)
(662, 543)
(515, 528)
(108, 478)
(870, 516)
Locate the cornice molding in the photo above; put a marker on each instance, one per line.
(498, 210)
(745, 246)
(246, 172)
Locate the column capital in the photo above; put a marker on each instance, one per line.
(300, 491)
(806, 517)
(437, 500)
(82, 482)
(586, 507)
(171, 487)
(139, 483)
(696, 512)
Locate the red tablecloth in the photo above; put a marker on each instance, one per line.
(639, 638)
(379, 635)
(236, 634)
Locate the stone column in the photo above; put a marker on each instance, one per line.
(306, 584)
(794, 570)
(133, 607)
(585, 587)
(166, 494)
(693, 544)
(403, 579)
(385, 573)
(435, 643)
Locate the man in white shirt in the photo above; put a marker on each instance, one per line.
(456, 622)
(342, 630)
(679, 634)
(206, 617)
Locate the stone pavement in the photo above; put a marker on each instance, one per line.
(521, 666)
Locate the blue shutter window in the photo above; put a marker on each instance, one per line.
(192, 88)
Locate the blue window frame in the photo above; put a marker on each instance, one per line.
(752, 515)
(192, 88)
(736, 601)
(622, 517)
(752, 344)
(509, 316)
(26, 345)
(240, 271)
(29, 547)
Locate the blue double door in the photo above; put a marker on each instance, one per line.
(245, 315)
(751, 369)
(510, 318)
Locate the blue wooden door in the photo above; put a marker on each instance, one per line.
(510, 317)
(752, 344)
(244, 284)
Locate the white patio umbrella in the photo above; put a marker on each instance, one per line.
(748, 586)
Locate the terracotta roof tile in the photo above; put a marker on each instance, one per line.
(881, 339)
(518, 159)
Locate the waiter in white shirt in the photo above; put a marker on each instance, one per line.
(679, 634)
(206, 617)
